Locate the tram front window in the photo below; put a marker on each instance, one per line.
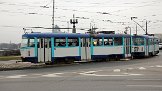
(27, 43)
(24, 42)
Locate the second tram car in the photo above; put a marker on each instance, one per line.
(144, 46)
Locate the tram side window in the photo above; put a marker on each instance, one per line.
(108, 41)
(60, 42)
(97, 42)
(31, 43)
(73, 42)
(27, 43)
(150, 41)
(118, 41)
(138, 41)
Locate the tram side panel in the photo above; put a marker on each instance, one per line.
(138, 50)
(65, 49)
(107, 48)
(107, 52)
(63, 53)
(28, 55)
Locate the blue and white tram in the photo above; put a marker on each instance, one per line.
(144, 46)
(49, 47)
(107, 46)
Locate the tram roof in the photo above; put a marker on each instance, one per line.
(144, 36)
(72, 35)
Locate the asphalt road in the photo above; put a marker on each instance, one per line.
(134, 75)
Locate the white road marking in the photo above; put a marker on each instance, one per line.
(90, 72)
(51, 75)
(16, 76)
(86, 74)
(116, 70)
(132, 74)
(141, 68)
(159, 66)
(58, 73)
(156, 86)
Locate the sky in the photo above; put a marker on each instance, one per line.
(106, 15)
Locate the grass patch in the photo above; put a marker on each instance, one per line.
(7, 58)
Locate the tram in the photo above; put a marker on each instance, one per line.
(51, 48)
(144, 46)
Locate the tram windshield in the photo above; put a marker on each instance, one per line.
(138, 41)
(24, 42)
(27, 42)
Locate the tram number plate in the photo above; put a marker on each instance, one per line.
(136, 49)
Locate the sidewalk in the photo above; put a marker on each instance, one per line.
(15, 65)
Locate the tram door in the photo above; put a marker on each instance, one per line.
(146, 48)
(85, 49)
(127, 47)
(44, 50)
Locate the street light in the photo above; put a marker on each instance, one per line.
(74, 21)
(127, 29)
(133, 18)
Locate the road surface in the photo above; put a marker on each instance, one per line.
(134, 75)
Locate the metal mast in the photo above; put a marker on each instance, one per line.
(74, 21)
(53, 23)
(146, 28)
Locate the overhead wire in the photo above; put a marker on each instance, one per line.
(76, 11)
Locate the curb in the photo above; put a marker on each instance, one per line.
(35, 67)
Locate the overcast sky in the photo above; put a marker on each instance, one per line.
(104, 14)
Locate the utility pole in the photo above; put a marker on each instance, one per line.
(53, 18)
(68, 26)
(74, 21)
(136, 29)
(146, 28)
